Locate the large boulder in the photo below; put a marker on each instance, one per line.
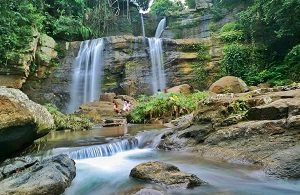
(229, 84)
(28, 176)
(165, 174)
(185, 89)
(21, 121)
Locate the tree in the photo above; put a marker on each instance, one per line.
(164, 7)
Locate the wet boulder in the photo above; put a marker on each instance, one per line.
(26, 176)
(165, 174)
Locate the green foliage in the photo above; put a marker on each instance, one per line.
(231, 32)
(70, 121)
(18, 22)
(292, 61)
(65, 19)
(239, 107)
(198, 66)
(236, 60)
(165, 105)
(61, 51)
(70, 28)
(259, 45)
(166, 7)
(191, 3)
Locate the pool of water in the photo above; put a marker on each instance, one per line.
(110, 174)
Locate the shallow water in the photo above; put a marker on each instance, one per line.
(110, 174)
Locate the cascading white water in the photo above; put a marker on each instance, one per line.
(104, 149)
(143, 25)
(157, 63)
(87, 74)
(160, 28)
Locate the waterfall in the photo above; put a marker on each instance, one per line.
(160, 28)
(104, 149)
(86, 78)
(157, 63)
(143, 25)
(150, 139)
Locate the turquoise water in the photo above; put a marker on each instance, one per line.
(110, 174)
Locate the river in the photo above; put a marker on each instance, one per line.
(106, 170)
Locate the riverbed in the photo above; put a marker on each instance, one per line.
(108, 172)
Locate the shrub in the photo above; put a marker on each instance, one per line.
(292, 61)
(70, 121)
(191, 3)
(165, 105)
(236, 60)
(231, 32)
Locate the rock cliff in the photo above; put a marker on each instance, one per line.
(127, 68)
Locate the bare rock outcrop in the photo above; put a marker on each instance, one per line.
(21, 121)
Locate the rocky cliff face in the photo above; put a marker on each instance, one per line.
(189, 24)
(127, 68)
(37, 61)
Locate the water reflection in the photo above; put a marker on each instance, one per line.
(96, 136)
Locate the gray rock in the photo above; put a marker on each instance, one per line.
(12, 166)
(49, 176)
(276, 110)
(147, 191)
(231, 120)
(294, 122)
(182, 122)
(198, 132)
(165, 174)
(246, 130)
(285, 164)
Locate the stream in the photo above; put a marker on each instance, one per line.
(105, 156)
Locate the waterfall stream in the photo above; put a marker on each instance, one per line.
(157, 62)
(160, 28)
(102, 150)
(104, 168)
(143, 25)
(88, 64)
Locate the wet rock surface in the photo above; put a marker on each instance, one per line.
(26, 175)
(285, 164)
(165, 174)
(147, 191)
(259, 127)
